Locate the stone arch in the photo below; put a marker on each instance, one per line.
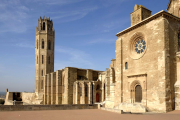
(136, 91)
(134, 84)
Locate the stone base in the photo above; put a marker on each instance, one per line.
(177, 95)
(132, 108)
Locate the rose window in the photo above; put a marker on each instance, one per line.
(140, 46)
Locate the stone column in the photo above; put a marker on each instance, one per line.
(48, 89)
(52, 85)
(83, 93)
(94, 93)
(58, 87)
(45, 89)
(89, 93)
(78, 93)
(102, 93)
(75, 93)
(177, 84)
(53, 88)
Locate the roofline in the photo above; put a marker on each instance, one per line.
(161, 13)
(169, 4)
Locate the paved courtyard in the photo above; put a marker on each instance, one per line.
(84, 115)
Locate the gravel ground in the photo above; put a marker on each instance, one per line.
(84, 115)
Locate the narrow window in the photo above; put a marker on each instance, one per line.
(37, 59)
(41, 84)
(42, 58)
(43, 25)
(42, 72)
(37, 44)
(179, 41)
(49, 45)
(126, 65)
(80, 91)
(86, 90)
(42, 44)
(49, 59)
(98, 87)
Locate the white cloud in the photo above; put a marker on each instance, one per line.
(61, 2)
(13, 15)
(72, 15)
(25, 45)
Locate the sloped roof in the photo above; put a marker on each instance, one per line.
(169, 4)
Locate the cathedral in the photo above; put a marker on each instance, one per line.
(145, 72)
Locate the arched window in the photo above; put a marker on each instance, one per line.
(86, 90)
(49, 45)
(37, 45)
(42, 44)
(37, 59)
(42, 73)
(98, 87)
(179, 41)
(42, 59)
(49, 59)
(42, 84)
(43, 25)
(126, 65)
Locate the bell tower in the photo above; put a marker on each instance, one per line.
(44, 52)
(174, 7)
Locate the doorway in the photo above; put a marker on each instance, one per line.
(97, 97)
(138, 93)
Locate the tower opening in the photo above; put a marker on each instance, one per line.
(49, 45)
(43, 25)
(126, 65)
(42, 44)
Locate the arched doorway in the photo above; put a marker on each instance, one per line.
(97, 97)
(138, 93)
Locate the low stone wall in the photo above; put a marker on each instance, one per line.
(45, 107)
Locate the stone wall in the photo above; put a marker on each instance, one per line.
(45, 107)
(152, 62)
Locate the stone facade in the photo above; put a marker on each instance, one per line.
(144, 76)
(73, 86)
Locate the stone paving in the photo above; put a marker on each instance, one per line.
(84, 115)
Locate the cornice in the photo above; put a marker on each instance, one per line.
(137, 75)
(159, 14)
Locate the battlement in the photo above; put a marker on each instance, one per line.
(45, 25)
(45, 19)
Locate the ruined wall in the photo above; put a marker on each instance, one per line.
(151, 65)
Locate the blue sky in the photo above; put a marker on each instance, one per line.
(84, 34)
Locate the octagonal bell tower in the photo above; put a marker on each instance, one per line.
(44, 52)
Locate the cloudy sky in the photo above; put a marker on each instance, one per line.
(84, 34)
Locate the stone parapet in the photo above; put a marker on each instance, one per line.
(46, 107)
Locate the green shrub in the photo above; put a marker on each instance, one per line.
(2, 101)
